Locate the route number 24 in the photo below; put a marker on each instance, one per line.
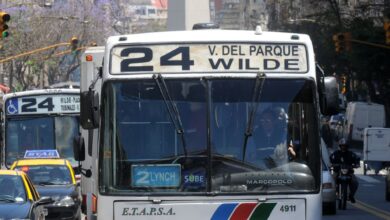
(31, 105)
(146, 55)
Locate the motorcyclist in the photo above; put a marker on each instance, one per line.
(343, 156)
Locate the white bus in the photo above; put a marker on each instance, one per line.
(91, 64)
(40, 119)
(178, 121)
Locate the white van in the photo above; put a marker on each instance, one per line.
(376, 149)
(361, 115)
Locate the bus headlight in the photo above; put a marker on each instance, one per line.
(65, 201)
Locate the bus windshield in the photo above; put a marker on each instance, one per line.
(221, 136)
(35, 133)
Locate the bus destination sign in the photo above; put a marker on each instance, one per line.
(43, 104)
(202, 58)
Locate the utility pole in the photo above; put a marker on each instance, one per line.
(183, 14)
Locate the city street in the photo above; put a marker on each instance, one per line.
(196, 109)
(370, 199)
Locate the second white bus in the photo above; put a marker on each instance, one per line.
(40, 119)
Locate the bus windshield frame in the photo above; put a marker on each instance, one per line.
(40, 132)
(203, 133)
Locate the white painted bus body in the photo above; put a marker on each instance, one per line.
(237, 44)
(91, 61)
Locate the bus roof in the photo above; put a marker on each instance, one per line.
(41, 92)
(93, 49)
(209, 35)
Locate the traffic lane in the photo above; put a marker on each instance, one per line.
(353, 213)
(371, 193)
(379, 213)
(371, 203)
(372, 187)
(370, 198)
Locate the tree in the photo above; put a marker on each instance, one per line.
(35, 27)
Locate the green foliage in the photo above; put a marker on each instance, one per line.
(18, 87)
(365, 63)
(366, 59)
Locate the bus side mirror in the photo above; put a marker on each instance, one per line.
(330, 96)
(328, 92)
(89, 109)
(79, 148)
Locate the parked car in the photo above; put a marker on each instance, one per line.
(19, 198)
(328, 191)
(336, 123)
(328, 184)
(342, 101)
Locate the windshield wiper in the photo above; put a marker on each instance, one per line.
(46, 183)
(209, 169)
(172, 109)
(254, 104)
(7, 199)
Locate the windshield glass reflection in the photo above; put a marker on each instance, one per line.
(139, 130)
(39, 133)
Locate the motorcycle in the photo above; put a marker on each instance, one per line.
(343, 180)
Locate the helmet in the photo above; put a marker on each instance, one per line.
(343, 142)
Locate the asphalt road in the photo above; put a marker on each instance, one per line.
(371, 203)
